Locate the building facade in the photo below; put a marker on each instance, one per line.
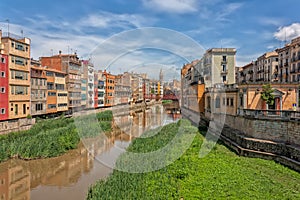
(57, 93)
(88, 73)
(100, 89)
(18, 51)
(70, 65)
(122, 90)
(4, 87)
(38, 88)
(218, 66)
(109, 99)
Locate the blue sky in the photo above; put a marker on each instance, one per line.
(253, 27)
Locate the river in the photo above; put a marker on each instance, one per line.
(70, 175)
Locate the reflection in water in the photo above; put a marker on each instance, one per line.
(69, 176)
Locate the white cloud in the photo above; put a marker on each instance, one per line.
(51, 35)
(172, 6)
(288, 32)
(228, 10)
(109, 20)
(274, 21)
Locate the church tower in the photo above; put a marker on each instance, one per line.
(161, 76)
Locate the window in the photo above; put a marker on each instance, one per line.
(51, 106)
(2, 89)
(241, 100)
(20, 61)
(62, 94)
(224, 58)
(49, 73)
(60, 86)
(39, 107)
(16, 109)
(224, 68)
(224, 78)
(62, 105)
(3, 60)
(24, 109)
(2, 74)
(217, 102)
(51, 93)
(20, 46)
(50, 86)
(231, 102)
(2, 111)
(12, 44)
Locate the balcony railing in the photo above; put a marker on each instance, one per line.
(270, 114)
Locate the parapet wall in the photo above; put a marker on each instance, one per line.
(16, 125)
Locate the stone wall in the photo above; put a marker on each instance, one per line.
(266, 129)
(16, 125)
(264, 138)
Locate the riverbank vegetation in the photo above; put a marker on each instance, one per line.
(53, 137)
(220, 175)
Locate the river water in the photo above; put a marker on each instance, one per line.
(70, 175)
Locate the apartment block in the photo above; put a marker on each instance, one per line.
(266, 67)
(295, 60)
(245, 74)
(109, 89)
(4, 91)
(38, 88)
(137, 88)
(71, 66)
(122, 90)
(57, 93)
(289, 62)
(192, 87)
(88, 74)
(18, 51)
(84, 77)
(100, 89)
(218, 66)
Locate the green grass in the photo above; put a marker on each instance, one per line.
(52, 137)
(220, 175)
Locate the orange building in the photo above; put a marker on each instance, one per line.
(70, 65)
(285, 96)
(18, 51)
(57, 94)
(110, 89)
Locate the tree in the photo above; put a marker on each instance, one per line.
(266, 94)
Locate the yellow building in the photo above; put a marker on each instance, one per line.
(18, 51)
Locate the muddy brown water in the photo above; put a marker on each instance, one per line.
(69, 176)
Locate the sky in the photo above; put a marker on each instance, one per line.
(147, 35)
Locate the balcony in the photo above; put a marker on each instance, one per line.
(286, 64)
(223, 62)
(293, 71)
(224, 72)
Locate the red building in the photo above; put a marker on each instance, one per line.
(4, 87)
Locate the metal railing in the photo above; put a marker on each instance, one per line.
(270, 114)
